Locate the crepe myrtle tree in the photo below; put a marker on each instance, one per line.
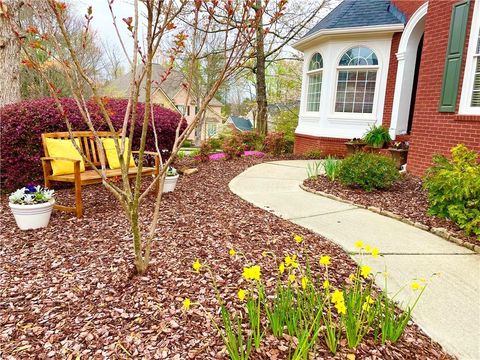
(235, 20)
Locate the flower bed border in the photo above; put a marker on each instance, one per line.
(442, 232)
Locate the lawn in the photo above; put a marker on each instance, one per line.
(70, 289)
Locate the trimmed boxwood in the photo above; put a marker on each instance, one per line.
(23, 123)
(368, 171)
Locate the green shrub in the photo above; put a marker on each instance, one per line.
(313, 154)
(187, 143)
(277, 144)
(331, 167)
(368, 171)
(286, 121)
(454, 188)
(377, 136)
(215, 143)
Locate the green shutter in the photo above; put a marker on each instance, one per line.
(453, 62)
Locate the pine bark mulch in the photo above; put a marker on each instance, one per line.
(70, 289)
(406, 198)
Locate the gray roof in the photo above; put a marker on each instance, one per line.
(357, 13)
(170, 86)
(241, 123)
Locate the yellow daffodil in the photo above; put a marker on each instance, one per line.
(281, 268)
(197, 266)
(291, 278)
(341, 308)
(304, 282)
(365, 270)
(351, 277)
(369, 300)
(325, 260)
(368, 248)
(415, 285)
(232, 252)
(326, 284)
(291, 261)
(366, 307)
(358, 244)
(186, 304)
(252, 273)
(337, 296)
(241, 294)
(375, 252)
(298, 238)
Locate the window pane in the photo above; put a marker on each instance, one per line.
(316, 62)
(476, 85)
(314, 92)
(359, 56)
(358, 94)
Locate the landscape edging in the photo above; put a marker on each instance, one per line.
(442, 232)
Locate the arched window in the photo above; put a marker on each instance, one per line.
(315, 67)
(357, 76)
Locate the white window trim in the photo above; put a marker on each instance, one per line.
(355, 115)
(465, 107)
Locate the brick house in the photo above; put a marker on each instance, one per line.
(413, 66)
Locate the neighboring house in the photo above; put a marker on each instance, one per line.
(238, 123)
(172, 94)
(272, 111)
(407, 64)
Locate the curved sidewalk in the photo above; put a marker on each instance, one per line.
(449, 310)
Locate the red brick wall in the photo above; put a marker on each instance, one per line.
(432, 131)
(408, 7)
(328, 146)
(391, 79)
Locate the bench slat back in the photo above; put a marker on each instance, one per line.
(86, 139)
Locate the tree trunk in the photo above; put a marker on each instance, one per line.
(9, 54)
(260, 82)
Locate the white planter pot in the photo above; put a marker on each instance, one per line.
(32, 216)
(170, 183)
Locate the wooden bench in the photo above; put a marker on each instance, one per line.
(89, 176)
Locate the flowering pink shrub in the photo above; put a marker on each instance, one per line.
(23, 123)
(276, 143)
(233, 147)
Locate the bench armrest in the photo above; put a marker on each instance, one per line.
(145, 152)
(50, 158)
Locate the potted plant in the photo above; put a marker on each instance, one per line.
(399, 152)
(354, 145)
(32, 206)
(170, 180)
(377, 136)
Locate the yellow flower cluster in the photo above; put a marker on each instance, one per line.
(339, 301)
(368, 302)
(298, 238)
(325, 260)
(241, 294)
(368, 248)
(290, 261)
(365, 271)
(197, 266)
(252, 273)
(232, 252)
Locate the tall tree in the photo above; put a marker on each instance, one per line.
(9, 53)
(272, 35)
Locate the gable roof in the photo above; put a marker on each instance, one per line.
(359, 13)
(171, 86)
(241, 123)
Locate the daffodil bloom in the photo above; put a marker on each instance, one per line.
(366, 307)
(291, 278)
(415, 285)
(351, 277)
(368, 299)
(326, 284)
(241, 294)
(197, 266)
(304, 282)
(358, 244)
(365, 270)
(252, 273)
(337, 296)
(298, 238)
(281, 268)
(325, 260)
(291, 261)
(341, 308)
(186, 304)
(375, 252)
(368, 248)
(232, 252)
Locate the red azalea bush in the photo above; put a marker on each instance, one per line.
(276, 143)
(205, 150)
(22, 124)
(233, 147)
(252, 140)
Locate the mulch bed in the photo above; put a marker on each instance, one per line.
(406, 198)
(71, 288)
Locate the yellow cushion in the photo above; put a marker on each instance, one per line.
(111, 152)
(63, 148)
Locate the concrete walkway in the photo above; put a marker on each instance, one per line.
(449, 310)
